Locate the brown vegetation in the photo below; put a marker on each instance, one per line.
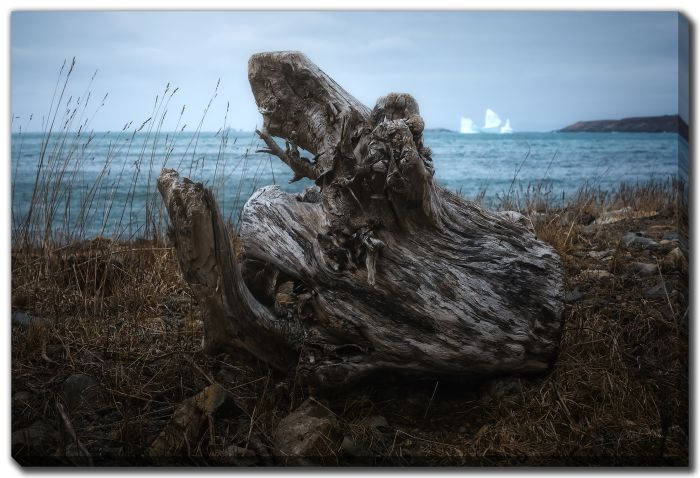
(122, 315)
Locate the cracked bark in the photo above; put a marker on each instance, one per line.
(376, 270)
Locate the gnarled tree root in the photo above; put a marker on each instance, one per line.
(378, 268)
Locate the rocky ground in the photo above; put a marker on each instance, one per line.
(107, 367)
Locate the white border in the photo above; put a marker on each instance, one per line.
(690, 9)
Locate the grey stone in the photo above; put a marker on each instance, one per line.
(675, 259)
(659, 291)
(590, 229)
(21, 397)
(376, 421)
(600, 254)
(350, 448)
(573, 296)
(38, 439)
(671, 236)
(610, 217)
(20, 317)
(236, 455)
(635, 239)
(186, 424)
(306, 432)
(598, 274)
(643, 269)
(79, 389)
(504, 387)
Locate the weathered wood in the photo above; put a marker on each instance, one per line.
(377, 270)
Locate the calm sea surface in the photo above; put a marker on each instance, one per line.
(107, 182)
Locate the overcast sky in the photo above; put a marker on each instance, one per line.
(541, 70)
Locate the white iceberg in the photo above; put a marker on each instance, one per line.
(468, 127)
(492, 124)
(506, 128)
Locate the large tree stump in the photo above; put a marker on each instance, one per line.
(377, 269)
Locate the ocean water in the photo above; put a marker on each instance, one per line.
(105, 184)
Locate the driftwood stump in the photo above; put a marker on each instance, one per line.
(377, 268)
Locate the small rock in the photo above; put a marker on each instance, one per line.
(594, 274)
(539, 217)
(590, 230)
(234, 455)
(574, 296)
(659, 291)
(38, 439)
(600, 254)
(186, 424)
(610, 217)
(20, 317)
(350, 448)
(672, 236)
(376, 421)
(306, 432)
(667, 246)
(503, 387)
(462, 430)
(643, 269)
(674, 260)
(21, 397)
(79, 389)
(635, 239)
(575, 217)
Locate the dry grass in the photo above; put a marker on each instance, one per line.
(121, 313)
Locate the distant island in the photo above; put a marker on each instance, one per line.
(644, 124)
(439, 130)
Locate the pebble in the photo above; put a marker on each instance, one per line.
(643, 269)
(573, 296)
(611, 217)
(675, 259)
(659, 291)
(20, 317)
(37, 440)
(635, 239)
(600, 254)
(78, 389)
(350, 448)
(671, 236)
(595, 274)
(376, 421)
(304, 432)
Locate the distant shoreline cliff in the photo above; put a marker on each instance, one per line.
(645, 124)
